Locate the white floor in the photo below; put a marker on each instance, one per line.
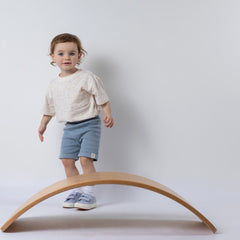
(123, 212)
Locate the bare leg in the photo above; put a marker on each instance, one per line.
(70, 170)
(69, 166)
(87, 165)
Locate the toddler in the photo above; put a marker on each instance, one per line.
(75, 97)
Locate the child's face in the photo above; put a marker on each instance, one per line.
(66, 56)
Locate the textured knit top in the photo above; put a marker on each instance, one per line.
(75, 97)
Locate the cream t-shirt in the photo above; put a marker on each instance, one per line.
(75, 97)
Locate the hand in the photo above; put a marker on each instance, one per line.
(41, 130)
(108, 120)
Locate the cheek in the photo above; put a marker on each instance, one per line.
(75, 59)
(57, 59)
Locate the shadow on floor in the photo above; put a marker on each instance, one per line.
(109, 225)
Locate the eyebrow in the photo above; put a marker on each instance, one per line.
(69, 51)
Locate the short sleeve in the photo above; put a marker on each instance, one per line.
(96, 88)
(48, 106)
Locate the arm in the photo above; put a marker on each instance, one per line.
(43, 125)
(107, 119)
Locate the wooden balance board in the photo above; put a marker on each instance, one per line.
(104, 178)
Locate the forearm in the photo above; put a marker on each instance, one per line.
(45, 120)
(43, 125)
(107, 108)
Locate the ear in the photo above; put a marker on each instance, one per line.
(52, 56)
(79, 56)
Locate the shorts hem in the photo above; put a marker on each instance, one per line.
(89, 155)
(69, 156)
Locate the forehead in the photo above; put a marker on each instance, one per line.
(66, 46)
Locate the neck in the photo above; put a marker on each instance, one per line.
(67, 72)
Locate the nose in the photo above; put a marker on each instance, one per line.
(66, 56)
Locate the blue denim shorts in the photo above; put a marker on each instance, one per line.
(81, 139)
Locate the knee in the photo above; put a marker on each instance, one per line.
(68, 163)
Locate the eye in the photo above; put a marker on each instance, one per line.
(72, 54)
(60, 54)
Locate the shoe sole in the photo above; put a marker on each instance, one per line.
(68, 205)
(85, 206)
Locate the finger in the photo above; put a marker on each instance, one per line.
(110, 124)
(106, 120)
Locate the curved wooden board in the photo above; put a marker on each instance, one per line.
(104, 178)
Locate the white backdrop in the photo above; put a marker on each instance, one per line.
(171, 69)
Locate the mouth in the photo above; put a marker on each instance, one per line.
(67, 63)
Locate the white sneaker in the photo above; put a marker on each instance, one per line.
(86, 202)
(71, 200)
